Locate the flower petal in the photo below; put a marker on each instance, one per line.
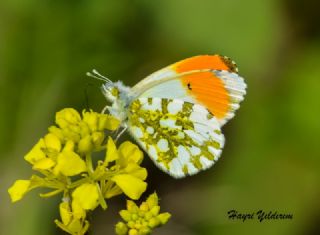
(132, 186)
(69, 164)
(36, 152)
(131, 152)
(67, 116)
(108, 122)
(91, 118)
(77, 211)
(18, 189)
(111, 153)
(87, 196)
(97, 138)
(65, 212)
(85, 145)
(137, 171)
(52, 143)
(44, 164)
(69, 146)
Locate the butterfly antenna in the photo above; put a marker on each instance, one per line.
(95, 74)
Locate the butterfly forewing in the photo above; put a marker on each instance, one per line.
(182, 138)
(211, 81)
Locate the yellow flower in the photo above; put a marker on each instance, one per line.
(67, 117)
(132, 186)
(36, 152)
(69, 164)
(42, 154)
(72, 222)
(64, 159)
(18, 189)
(87, 196)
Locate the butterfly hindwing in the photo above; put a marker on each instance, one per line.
(180, 137)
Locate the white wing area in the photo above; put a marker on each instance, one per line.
(180, 137)
(172, 89)
(176, 88)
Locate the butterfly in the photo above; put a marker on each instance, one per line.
(176, 113)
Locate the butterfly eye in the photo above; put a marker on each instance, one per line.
(115, 92)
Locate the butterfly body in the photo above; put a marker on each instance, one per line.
(176, 113)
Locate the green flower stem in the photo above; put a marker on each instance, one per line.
(89, 164)
(52, 193)
(101, 198)
(100, 148)
(78, 183)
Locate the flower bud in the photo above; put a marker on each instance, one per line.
(148, 215)
(125, 215)
(133, 232)
(144, 230)
(131, 224)
(121, 228)
(67, 116)
(144, 206)
(152, 200)
(154, 222)
(155, 210)
(164, 217)
(52, 143)
(132, 207)
(97, 138)
(91, 118)
(85, 145)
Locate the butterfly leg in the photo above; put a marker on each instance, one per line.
(120, 133)
(105, 109)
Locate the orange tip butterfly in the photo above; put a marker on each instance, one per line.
(176, 113)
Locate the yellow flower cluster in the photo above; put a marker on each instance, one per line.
(67, 162)
(141, 220)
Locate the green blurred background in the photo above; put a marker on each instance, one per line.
(272, 155)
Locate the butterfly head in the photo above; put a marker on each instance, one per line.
(110, 91)
(115, 91)
(117, 94)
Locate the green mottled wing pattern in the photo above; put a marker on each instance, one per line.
(181, 138)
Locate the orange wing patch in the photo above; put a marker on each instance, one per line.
(208, 90)
(215, 62)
